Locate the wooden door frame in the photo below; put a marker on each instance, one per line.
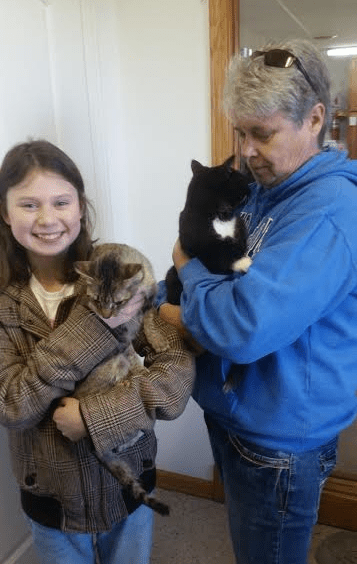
(224, 41)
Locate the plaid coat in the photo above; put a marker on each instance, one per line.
(62, 484)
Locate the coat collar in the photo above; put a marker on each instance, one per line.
(20, 308)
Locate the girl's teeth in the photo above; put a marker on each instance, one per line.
(49, 236)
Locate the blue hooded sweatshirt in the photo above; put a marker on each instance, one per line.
(291, 320)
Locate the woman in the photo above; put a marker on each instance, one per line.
(285, 332)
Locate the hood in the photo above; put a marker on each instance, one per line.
(328, 163)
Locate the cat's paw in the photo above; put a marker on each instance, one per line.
(154, 333)
(242, 265)
(126, 383)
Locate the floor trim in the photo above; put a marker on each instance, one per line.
(338, 501)
(185, 484)
(338, 507)
(19, 552)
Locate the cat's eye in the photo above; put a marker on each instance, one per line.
(122, 298)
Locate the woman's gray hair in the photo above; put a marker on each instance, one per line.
(254, 89)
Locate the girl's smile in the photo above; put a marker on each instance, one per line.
(44, 214)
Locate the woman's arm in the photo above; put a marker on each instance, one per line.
(303, 271)
(172, 314)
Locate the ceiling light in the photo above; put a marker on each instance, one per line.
(325, 37)
(342, 51)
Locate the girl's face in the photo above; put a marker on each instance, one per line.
(44, 214)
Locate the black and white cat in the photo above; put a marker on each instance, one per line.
(208, 228)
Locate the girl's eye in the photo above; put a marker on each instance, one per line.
(62, 203)
(29, 206)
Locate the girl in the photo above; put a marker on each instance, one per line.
(49, 341)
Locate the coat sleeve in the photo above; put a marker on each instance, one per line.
(31, 380)
(304, 270)
(160, 389)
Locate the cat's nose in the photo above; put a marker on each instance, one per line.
(106, 313)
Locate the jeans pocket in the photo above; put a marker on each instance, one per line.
(328, 459)
(258, 459)
(267, 472)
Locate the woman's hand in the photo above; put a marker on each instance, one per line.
(179, 256)
(68, 419)
(172, 314)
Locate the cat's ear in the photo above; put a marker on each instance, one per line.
(229, 162)
(133, 271)
(196, 167)
(82, 267)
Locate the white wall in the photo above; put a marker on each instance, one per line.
(26, 110)
(164, 69)
(25, 85)
(165, 92)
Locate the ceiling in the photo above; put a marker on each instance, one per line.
(264, 20)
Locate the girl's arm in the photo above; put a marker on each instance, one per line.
(158, 390)
(29, 382)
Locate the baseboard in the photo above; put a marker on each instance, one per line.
(185, 484)
(338, 507)
(20, 551)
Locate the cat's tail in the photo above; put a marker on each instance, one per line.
(155, 504)
(124, 474)
(141, 495)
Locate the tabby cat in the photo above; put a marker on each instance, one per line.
(112, 276)
(208, 228)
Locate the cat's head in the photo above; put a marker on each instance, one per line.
(226, 168)
(109, 283)
(222, 183)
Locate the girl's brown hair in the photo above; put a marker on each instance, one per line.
(20, 161)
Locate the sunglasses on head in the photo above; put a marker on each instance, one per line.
(282, 59)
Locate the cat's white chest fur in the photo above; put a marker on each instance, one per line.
(226, 229)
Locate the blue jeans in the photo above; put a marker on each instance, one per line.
(129, 542)
(272, 497)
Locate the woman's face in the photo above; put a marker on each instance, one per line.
(275, 147)
(44, 214)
